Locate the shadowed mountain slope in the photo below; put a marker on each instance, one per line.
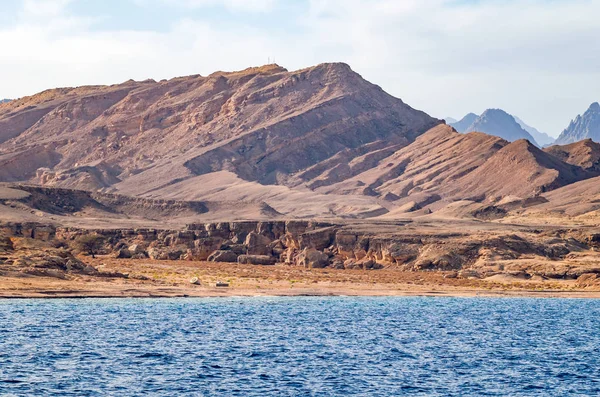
(445, 165)
(584, 154)
(519, 169)
(436, 158)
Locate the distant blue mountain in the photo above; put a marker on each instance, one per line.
(583, 127)
(541, 137)
(494, 122)
(450, 120)
(464, 123)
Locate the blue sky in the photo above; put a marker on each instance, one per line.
(538, 59)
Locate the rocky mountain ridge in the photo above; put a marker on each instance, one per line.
(585, 126)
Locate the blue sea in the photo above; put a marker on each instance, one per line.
(306, 346)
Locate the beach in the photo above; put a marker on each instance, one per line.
(148, 278)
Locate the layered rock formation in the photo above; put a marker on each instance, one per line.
(586, 126)
(262, 124)
(318, 245)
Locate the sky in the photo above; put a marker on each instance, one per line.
(536, 59)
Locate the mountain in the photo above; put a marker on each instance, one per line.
(450, 120)
(320, 142)
(583, 127)
(518, 169)
(437, 158)
(233, 134)
(499, 123)
(584, 154)
(4, 101)
(443, 166)
(464, 123)
(540, 137)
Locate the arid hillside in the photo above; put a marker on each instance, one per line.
(264, 143)
(261, 123)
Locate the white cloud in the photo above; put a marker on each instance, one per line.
(233, 5)
(44, 8)
(538, 59)
(533, 57)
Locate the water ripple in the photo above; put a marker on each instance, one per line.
(300, 347)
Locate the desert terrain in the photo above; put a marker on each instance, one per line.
(148, 278)
(283, 183)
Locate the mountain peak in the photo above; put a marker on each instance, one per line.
(336, 68)
(583, 126)
(495, 111)
(464, 123)
(271, 68)
(521, 146)
(495, 122)
(261, 124)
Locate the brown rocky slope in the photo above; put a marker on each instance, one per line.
(261, 123)
(314, 143)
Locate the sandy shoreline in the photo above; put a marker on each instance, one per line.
(157, 291)
(159, 295)
(171, 279)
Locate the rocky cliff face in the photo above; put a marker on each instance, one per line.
(319, 245)
(586, 126)
(31, 250)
